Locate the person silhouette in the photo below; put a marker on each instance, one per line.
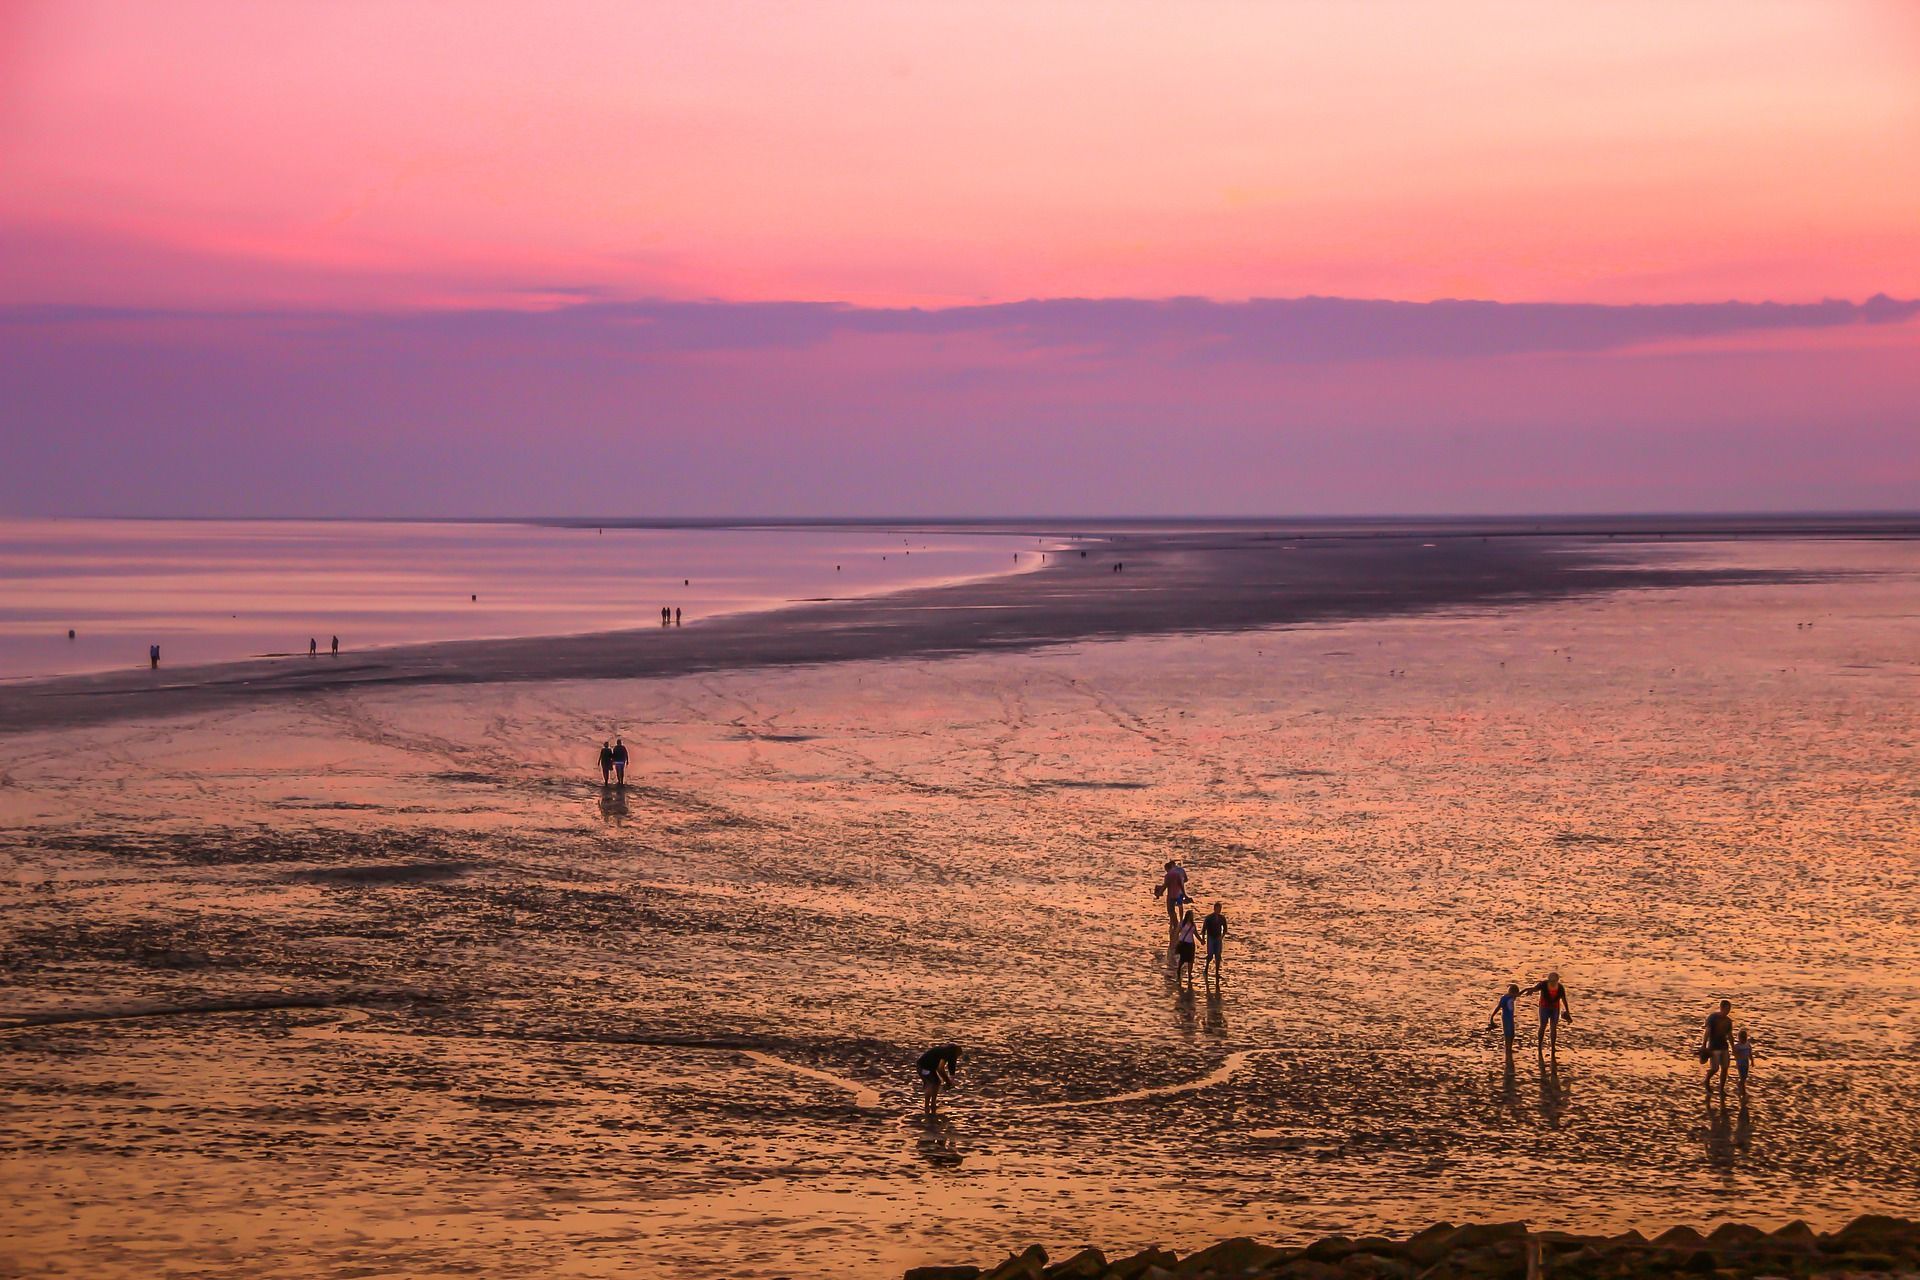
(1553, 1007)
(936, 1068)
(619, 763)
(606, 763)
(313, 647)
(1503, 1010)
(1716, 1044)
(153, 655)
(336, 646)
(1184, 943)
(1214, 929)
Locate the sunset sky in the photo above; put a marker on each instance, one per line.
(398, 258)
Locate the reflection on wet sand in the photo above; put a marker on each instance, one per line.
(613, 805)
(409, 999)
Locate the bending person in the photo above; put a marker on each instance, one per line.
(936, 1068)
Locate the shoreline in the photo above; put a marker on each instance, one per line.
(1871, 1243)
(1133, 583)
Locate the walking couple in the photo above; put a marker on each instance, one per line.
(613, 763)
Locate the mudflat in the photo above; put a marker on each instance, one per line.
(1139, 581)
(381, 977)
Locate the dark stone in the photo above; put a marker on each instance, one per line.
(1875, 1226)
(1429, 1246)
(1135, 1265)
(1735, 1235)
(1501, 1258)
(1796, 1236)
(1305, 1268)
(1481, 1234)
(1370, 1264)
(1684, 1239)
(1581, 1262)
(1084, 1265)
(944, 1273)
(1331, 1249)
(1236, 1257)
(1865, 1262)
(1028, 1265)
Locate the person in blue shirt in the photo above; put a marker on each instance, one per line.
(1504, 1011)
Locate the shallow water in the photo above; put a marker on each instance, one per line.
(219, 590)
(669, 1032)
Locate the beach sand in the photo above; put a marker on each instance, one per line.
(378, 978)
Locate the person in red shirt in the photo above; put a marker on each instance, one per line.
(1553, 1007)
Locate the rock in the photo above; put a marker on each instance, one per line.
(1871, 1245)
(1370, 1264)
(1429, 1246)
(1735, 1235)
(1500, 1259)
(1136, 1265)
(1331, 1249)
(1584, 1261)
(1865, 1262)
(1030, 1265)
(1237, 1257)
(1872, 1234)
(1084, 1265)
(1481, 1234)
(1305, 1268)
(1796, 1236)
(1681, 1239)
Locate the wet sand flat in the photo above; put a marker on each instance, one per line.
(1150, 581)
(384, 981)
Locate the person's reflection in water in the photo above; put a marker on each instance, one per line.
(1743, 1128)
(940, 1143)
(1216, 1011)
(613, 805)
(1719, 1133)
(1509, 1088)
(1185, 1012)
(1553, 1094)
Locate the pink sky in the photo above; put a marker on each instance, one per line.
(375, 257)
(931, 153)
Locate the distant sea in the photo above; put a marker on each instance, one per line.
(218, 590)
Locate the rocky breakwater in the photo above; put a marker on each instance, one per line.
(1868, 1246)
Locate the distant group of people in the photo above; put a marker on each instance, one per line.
(1723, 1049)
(613, 763)
(669, 617)
(1184, 933)
(313, 649)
